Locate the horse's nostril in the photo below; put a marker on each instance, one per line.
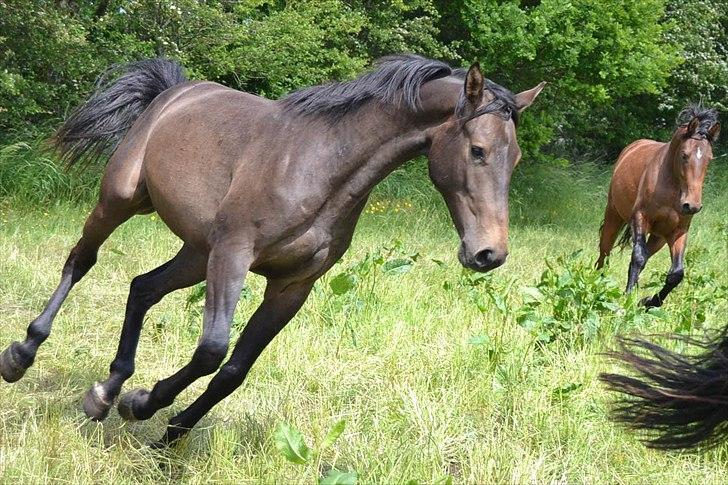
(484, 258)
(691, 209)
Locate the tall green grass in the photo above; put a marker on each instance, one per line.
(29, 174)
(435, 371)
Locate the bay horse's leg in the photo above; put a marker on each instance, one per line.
(640, 254)
(102, 221)
(676, 273)
(280, 303)
(226, 268)
(185, 269)
(609, 232)
(654, 244)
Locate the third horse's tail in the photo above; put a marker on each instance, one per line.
(679, 401)
(95, 128)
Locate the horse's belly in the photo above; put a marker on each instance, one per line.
(302, 257)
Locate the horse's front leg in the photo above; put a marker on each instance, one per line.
(677, 270)
(227, 266)
(280, 303)
(640, 253)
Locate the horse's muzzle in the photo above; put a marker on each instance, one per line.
(688, 208)
(483, 260)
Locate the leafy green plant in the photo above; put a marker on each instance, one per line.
(352, 288)
(570, 300)
(389, 260)
(291, 444)
(699, 290)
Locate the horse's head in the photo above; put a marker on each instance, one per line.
(472, 157)
(693, 152)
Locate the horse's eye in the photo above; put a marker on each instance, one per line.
(477, 152)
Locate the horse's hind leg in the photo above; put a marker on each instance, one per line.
(640, 254)
(185, 269)
(100, 224)
(613, 223)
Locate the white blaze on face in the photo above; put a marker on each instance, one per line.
(699, 154)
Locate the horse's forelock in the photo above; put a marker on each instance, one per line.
(707, 118)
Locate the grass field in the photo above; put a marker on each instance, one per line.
(431, 370)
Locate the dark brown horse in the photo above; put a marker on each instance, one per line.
(273, 187)
(656, 189)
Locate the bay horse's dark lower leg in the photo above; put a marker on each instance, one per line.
(608, 233)
(185, 269)
(640, 254)
(226, 269)
(675, 274)
(279, 305)
(102, 221)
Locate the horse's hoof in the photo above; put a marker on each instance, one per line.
(126, 404)
(651, 302)
(10, 367)
(95, 403)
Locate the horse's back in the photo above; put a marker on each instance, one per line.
(631, 165)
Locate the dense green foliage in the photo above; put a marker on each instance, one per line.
(617, 69)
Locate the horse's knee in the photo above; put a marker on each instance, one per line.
(209, 356)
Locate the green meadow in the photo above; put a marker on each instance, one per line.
(436, 374)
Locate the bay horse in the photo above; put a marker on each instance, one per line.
(273, 187)
(677, 401)
(655, 190)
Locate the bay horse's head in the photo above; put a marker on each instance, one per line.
(693, 151)
(471, 159)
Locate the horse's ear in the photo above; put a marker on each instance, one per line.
(525, 98)
(474, 85)
(714, 132)
(692, 126)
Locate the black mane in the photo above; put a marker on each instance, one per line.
(707, 118)
(503, 102)
(396, 80)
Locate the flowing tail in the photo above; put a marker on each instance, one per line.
(679, 401)
(94, 129)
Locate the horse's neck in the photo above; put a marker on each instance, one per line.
(667, 164)
(379, 140)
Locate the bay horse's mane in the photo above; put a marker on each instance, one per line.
(396, 80)
(707, 118)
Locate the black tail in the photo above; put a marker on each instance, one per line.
(679, 401)
(625, 238)
(95, 128)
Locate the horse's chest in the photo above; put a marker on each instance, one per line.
(664, 222)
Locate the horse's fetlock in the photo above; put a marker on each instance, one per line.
(123, 369)
(39, 331)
